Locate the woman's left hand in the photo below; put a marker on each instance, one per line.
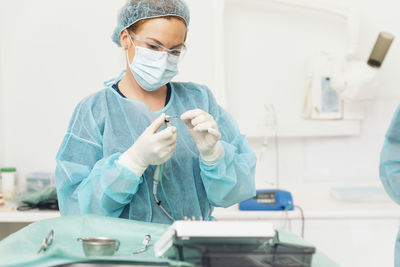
(204, 131)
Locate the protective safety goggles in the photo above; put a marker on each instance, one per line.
(178, 52)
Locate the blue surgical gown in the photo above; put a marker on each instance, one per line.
(390, 168)
(89, 178)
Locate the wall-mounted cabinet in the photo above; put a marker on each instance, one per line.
(303, 129)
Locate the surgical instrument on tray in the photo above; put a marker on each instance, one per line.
(47, 241)
(145, 242)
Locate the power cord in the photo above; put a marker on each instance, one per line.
(302, 220)
(269, 108)
(158, 172)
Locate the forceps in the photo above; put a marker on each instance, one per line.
(47, 241)
(146, 243)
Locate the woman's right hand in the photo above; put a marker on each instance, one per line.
(151, 148)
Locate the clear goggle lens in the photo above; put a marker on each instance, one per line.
(176, 54)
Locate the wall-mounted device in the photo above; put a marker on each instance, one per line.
(339, 86)
(360, 77)
(322, 100)
(269, 199)
(381, 47)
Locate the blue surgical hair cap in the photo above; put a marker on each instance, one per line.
(136, 10)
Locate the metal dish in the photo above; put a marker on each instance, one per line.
(99, 246)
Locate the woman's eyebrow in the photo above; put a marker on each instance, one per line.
(178, 45)
(155, 40)
(160, 43)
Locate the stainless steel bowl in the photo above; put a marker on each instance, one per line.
(99, 246)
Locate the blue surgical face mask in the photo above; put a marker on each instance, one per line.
(153, 69)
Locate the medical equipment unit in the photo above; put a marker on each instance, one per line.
(322, 101)
(380, 49)
(339, 85)
(360, 81)
(230, 243)
(269, 199)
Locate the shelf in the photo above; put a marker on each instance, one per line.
(317, 206)
(303, 129)
(27, 216)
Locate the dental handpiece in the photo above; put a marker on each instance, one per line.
(169, 117)
(159, 168)
(158, 172)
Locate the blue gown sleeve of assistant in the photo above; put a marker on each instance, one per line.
(86, 181)
(231, 179)
(389, 168)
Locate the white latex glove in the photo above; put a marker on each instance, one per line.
(204, 131)
(151, 148)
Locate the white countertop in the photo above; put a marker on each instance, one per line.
(316, 209)
(317, 203)
(314, 199)
(27, 216)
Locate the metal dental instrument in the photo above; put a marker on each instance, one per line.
(145, 242)
(168, 117)
(47, 241)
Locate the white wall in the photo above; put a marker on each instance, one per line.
(1, 81)
(53, 53)
(53, 56)
(264, 62)
(358, 157)
(57, 52)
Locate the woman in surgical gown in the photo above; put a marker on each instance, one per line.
(117, 136)
(390, 168)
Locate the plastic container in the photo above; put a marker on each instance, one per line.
(278, 255)
(8, 182)
(268, 259)
(234, 252)
(37, 181)
(1, 200)
(359, 193)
